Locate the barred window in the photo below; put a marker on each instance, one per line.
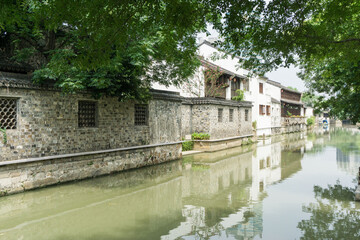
(246, 115)
(87, 114)
(8, 113)
(220, 114)
(231, 115)
(141, 114)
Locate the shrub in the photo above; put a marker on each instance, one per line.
(240, 95)
(200, 136)
(187, 146)
(254, 125)
(289, 114)
(310, 121)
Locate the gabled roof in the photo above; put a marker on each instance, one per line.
(8, 65)
(273, 100)
(291, 102)
(212, 65)
(274, 83)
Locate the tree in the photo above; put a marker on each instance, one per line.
(110, 47)
(323, 37)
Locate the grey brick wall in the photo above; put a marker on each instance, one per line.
(48, 124)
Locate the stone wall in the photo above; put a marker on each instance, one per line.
(292, 124)
(205, 119)
(37, 173)
(48, 124)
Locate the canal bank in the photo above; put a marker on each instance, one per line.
(273, 190)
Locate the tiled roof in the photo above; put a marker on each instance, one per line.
(292, 102)
(212, 65)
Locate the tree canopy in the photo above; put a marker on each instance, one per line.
(119, 47)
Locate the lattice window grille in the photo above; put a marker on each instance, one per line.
(141, 114)
(87, 114)
(8, 113)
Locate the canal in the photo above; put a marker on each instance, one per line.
(287, 187)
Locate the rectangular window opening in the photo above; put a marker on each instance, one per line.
(87, 114)
(246, 115)
(231, 115)
(141, 114)
(261, 88)
(220, 114)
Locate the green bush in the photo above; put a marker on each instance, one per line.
(200, 136)
(254, 125)
(3, 131)
(187, 146)
(240, 95)
(310, 121)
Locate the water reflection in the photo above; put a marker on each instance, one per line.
(334, 215)
(222, 195)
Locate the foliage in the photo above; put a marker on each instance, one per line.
(254, 125)
(214, 80)
(3, 131)
(187, 146)
(119, 48)
(310, 121)
(111, 47)
(333, 216)
(323, 37)
(240, 95)
(288, 114)
(200, 136)
(292, 88)
(309, 98)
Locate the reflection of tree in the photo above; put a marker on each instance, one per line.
(334, 215)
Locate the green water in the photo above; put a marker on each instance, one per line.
(277, 189)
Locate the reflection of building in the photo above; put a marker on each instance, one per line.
(348, 162)
(205, 195)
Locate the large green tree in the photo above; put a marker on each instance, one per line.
(111, 47)
(118, 47)
(323, 37)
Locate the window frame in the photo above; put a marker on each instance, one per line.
(231, 115)
(146, 115)
(261, 88)
(220, 114)
(16, 99)
(95, 113)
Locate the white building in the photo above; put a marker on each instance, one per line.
(262, 92)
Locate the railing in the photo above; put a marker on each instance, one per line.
(286, 121)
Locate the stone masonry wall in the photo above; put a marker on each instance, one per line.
(186, 120)
(48, 124)
(21, 177)
(205, 118)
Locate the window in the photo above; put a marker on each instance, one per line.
(231, 115)
(220, 114)
(261, 88)
(8, 113)
(262, 109)
(87, 114)
(262, 164)
(141, 114)
(246, 115)
(268, 110)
